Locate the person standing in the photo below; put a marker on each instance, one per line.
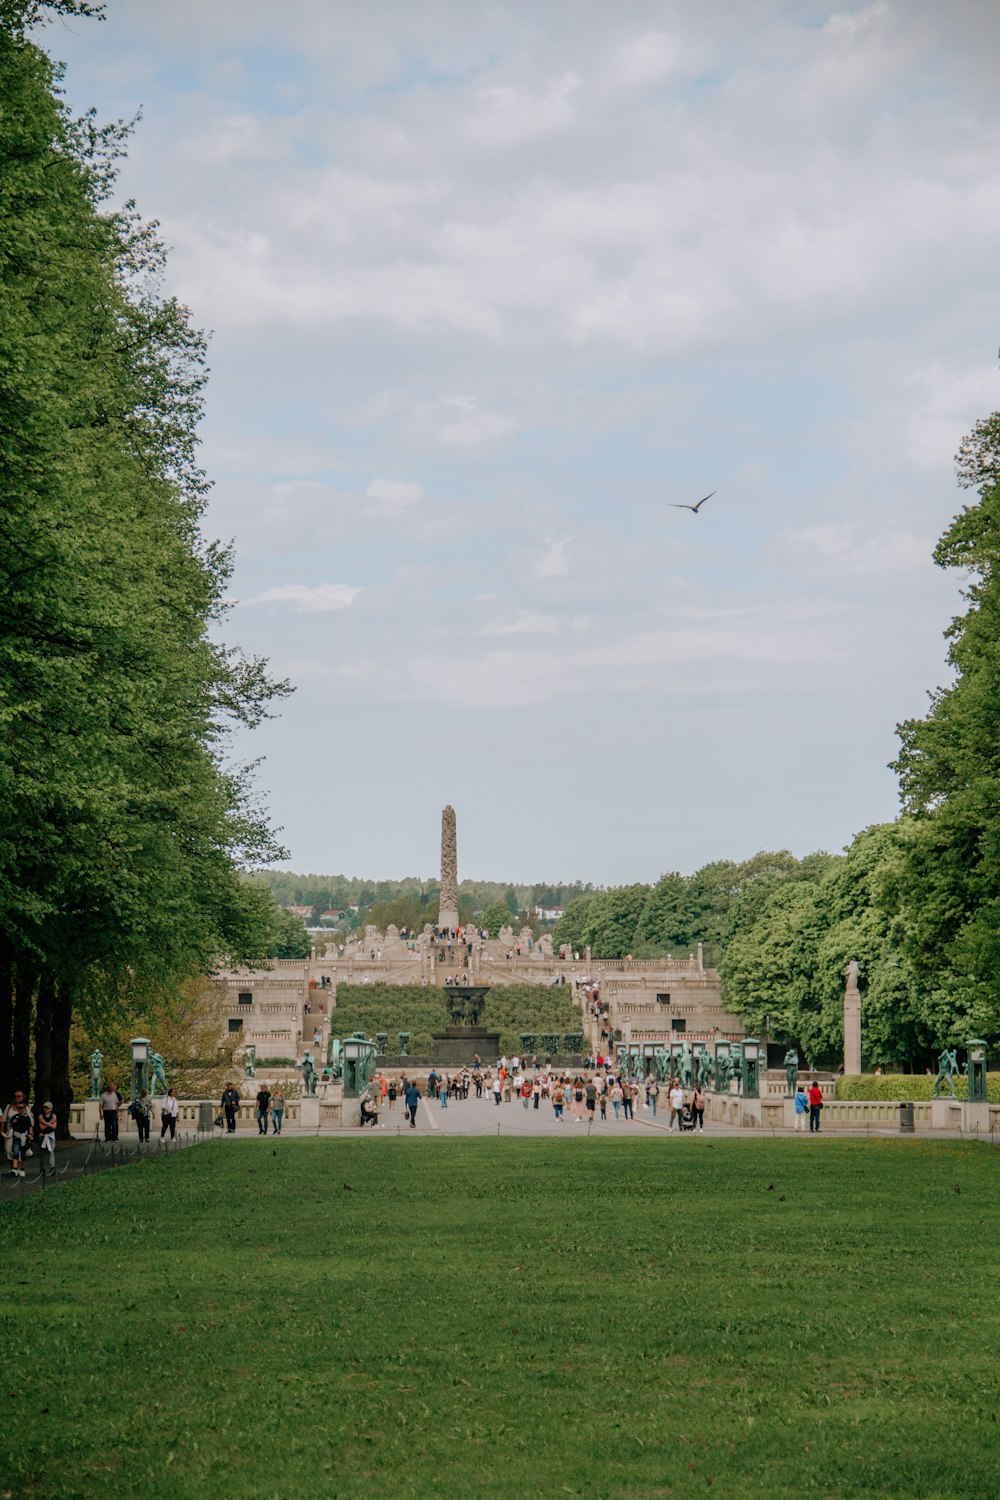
(628, 1093)
(616, 1097)
(278, 1109)
(19, 1134)
(652, 1094)
(815, 1106)
(590, 1090)
(676, 1103)
(230, 1104)
(139, 1109)
(413, 1097)
(15, 1107)
(801, 1107)
(110, 1102)
(497, 1090)
(47, 1123)
(263, 1105)
(169, 1110)
(698, 1107)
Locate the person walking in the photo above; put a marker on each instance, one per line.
(443, 1091)
(140, 1110)
(169, 1110)
(558, 1100)
(801, 1108)
(815, 1106)
(698, 1107)
(47, 1123)
(676, 1103)
(590, 1092)
(497, 1090)
(230, 1104)
(110, 1103)
(277, 1109)
(627, 1097)
(616, 1096)
(263, 1105)
(652, 1094)
(413, 1097)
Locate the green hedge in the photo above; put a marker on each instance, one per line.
(509, 1009)
(915, 1086)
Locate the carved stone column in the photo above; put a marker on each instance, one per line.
(852, 1022)
(448, 910)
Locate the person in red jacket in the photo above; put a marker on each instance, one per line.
(815, 1105)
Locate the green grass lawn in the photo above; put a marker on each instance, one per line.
(524, 1318)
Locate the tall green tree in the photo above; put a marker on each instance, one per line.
(948, 883)
(121, 828)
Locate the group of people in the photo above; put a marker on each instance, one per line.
(576, 1096)
(22, 1131)
(141, 1110)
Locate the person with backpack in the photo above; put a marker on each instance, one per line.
(230, 1104)
(140, 1110)
(801, 1107)
(19, 1134)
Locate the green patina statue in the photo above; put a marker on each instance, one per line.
(308, 1074)
(706, 1068)
(404, 1044)
(791, 1071)
(947, 1068)
(382, 1042)
(157, 1073)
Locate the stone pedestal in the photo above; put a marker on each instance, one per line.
(309, 1112)
(852, 1032)
(459, 1044)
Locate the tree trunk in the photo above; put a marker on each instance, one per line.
(43, 1037)
(7, 1080)
(24, 991)
(62, 1091)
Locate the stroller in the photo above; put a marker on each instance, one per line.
(686, 1119)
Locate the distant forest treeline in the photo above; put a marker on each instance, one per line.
(411, 901)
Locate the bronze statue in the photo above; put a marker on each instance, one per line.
(791, 1071)
(308, 1074)
(157, 1073)
(96, 1060)
(947, 1068)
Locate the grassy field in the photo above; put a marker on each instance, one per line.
(526, 1318)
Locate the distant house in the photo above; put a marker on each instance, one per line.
(305, 912)
(333, 916)
(549, 913)
(354, 907)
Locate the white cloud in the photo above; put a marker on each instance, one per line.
(395, 493)
(847, 547)
(553, 562)
(523, 624)
(320, 598)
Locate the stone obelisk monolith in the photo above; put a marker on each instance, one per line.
(448, 909)
(852, 1022)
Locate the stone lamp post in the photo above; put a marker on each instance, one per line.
(140, 1065)
(977, 1071)
(751, 1068)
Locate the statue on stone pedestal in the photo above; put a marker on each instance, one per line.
(96, 1060)
(791, 1071)
(661, 1064)
(382, 1042)
(335, 1057)
(308, 1074)
(686, 1065)
(250, 1061)
(947, 1068)
(404, 1043)
(448, 904)
(706, 1068)
(157, 1073)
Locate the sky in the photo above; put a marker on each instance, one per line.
(493, 288)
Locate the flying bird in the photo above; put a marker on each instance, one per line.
(696, 508)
